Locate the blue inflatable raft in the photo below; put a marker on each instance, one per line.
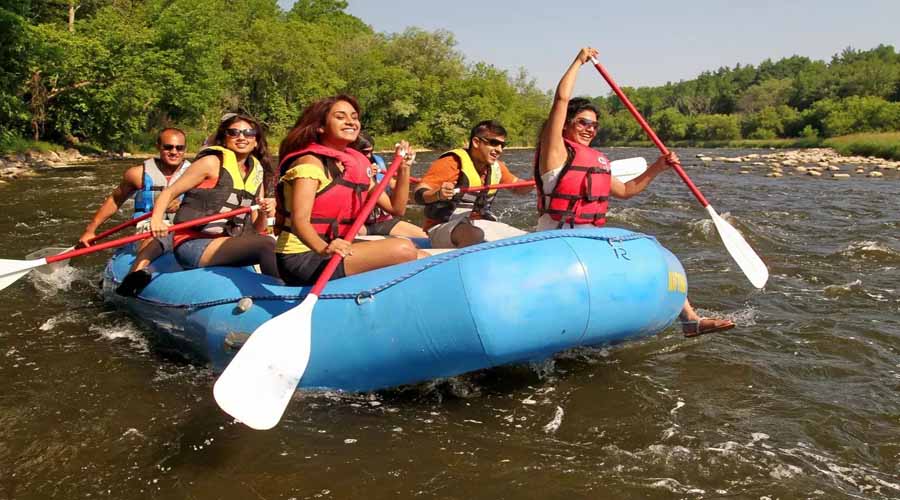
(513, 300)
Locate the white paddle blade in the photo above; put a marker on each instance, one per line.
(629, 168)
(740, 251)
(257, 385)
(12, 270)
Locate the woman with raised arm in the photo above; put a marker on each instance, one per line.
(574, 180)
(321, 189)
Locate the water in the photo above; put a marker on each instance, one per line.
(802, 400)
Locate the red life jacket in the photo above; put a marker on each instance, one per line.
(336, 206)
(581, 194)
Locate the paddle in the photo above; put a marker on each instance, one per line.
(412, 180)
(12, 270)
(119, 227)
(257, 385)
(625, 170)
(45, 252)
(749, 262)
(510, 185)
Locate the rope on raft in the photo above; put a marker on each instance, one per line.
(364, 295)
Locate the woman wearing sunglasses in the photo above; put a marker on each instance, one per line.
(321, 189)
(574, 180)
(225, 176)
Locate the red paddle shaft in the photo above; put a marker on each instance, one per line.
(142, 236)
(357, 224)
(646, 126)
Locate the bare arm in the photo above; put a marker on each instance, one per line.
(302, 198)
(131, 181)
(553, 149)
(628, 189)
(199, 171)
(261, 216)
(400, 185)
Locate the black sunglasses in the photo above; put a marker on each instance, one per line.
(170, 147)
(234, 132)
(493, 142)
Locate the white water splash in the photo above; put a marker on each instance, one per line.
(122, 331)
(57, 280)
(554, 424)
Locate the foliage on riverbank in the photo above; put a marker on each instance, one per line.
(794, 98)
(885, 145)
(123, 69)
(120, 70)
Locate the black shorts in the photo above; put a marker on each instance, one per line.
(301, 269)
(382, 228)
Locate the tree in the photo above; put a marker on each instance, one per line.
(669, 124)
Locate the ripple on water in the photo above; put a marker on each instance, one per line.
(870, 251)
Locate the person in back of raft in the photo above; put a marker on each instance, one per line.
(321, 189)
(385, 217)
(146, 182)
(223, 177)
(456, 220)
(574, 180)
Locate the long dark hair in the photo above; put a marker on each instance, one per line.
(306, 130)
(261, 151)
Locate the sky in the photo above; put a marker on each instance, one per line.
(641, 42)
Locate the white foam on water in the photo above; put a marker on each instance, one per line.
(705, 227)
(868, 246)
(48, 325)
(122, 331)
(742, 317)
(57, 280)
(554, 424)
(786, 471)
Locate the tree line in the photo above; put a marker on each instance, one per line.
(110, 72)
(795, 97)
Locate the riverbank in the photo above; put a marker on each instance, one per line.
(885, 145)
(879, 150)
(27, 164)
(813, 162)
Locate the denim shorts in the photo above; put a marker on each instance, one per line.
(188, 253)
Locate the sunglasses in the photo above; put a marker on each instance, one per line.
(493, 142)
(587, 124)
(170, 147)
(247, 132)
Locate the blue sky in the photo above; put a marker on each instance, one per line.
(641, 42)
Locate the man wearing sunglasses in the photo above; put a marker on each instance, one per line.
(145, 182)
(458, 219)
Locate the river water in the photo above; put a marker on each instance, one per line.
(802, 400)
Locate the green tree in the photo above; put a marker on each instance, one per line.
(715, 127)
(669, 124)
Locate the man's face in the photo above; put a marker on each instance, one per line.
(171, 148)
(487, 147)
